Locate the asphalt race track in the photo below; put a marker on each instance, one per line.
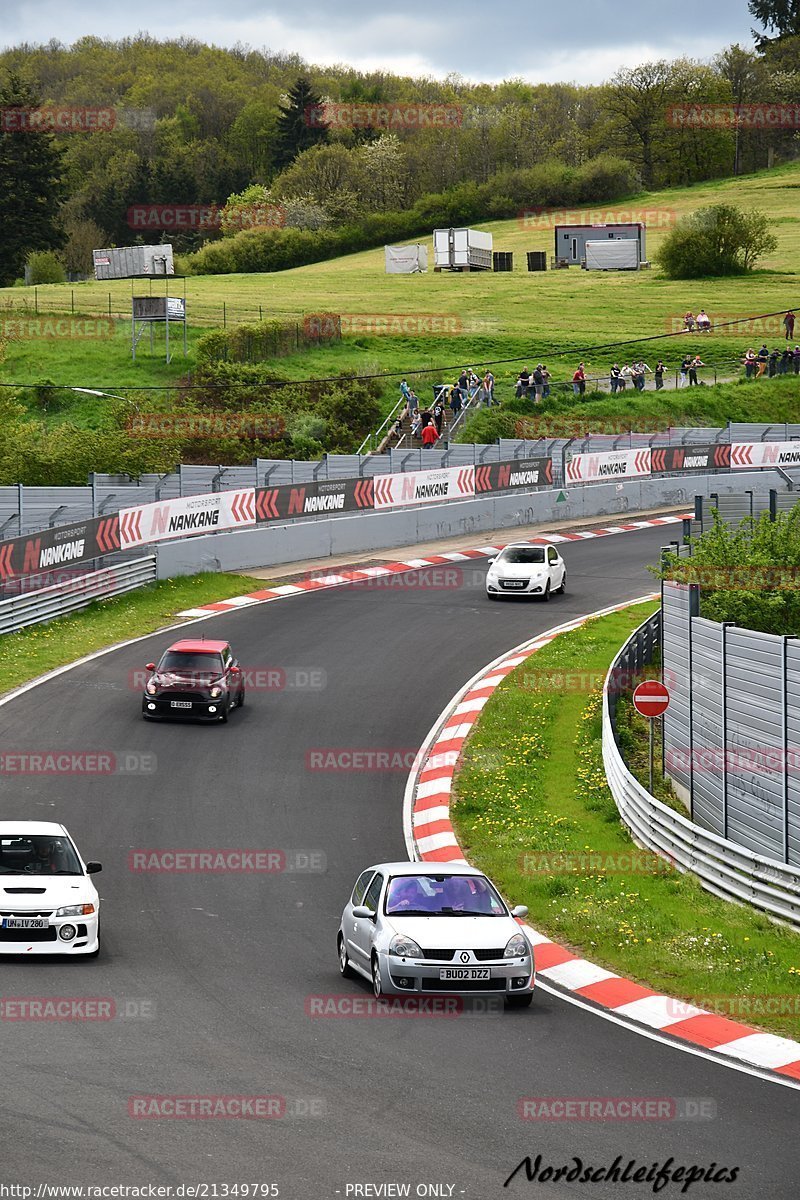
(215, 969)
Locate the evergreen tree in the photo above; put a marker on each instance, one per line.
(779, 16)
(31, 186)
(300, 125)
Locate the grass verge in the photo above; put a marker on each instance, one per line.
(532, 790)
(41, 648)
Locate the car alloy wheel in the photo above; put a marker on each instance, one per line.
(563, 587)
(345, 969)
(377, 985)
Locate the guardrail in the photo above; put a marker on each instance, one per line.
(46, 604)
(722, 867)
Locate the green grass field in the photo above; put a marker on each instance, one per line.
(518, 315)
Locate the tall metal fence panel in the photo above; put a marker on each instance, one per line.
(754, 744)
(707, 691)
(793, 751)
(679, 601)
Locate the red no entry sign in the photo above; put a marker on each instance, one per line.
(651, 698)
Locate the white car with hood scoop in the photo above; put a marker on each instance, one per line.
(48, 903)
(426, 929)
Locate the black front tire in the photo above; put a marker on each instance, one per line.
(520, 1001)
(563, 589)
(546, 595)
(345, 970)
(241, 698)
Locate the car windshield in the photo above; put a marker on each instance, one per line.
(38, 854)
(523, 554)
(443, 896)
(184, 662)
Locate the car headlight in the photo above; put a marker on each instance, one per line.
(404, 947)
(152, 688)
(215, 692)
(75, 910)
(518, 946)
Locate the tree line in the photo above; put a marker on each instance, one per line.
(196, 124)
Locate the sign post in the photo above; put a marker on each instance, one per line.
(651, 700)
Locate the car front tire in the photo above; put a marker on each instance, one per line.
(546, 594)
(520, 1001)
(377, 982)
(223, 716)
(345, 970)
(562, 590)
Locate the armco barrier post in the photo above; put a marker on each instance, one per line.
(773, 505)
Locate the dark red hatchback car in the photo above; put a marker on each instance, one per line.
(197, 679)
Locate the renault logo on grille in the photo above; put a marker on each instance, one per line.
(464, 956)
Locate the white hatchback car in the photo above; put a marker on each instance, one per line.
(525, 570)
(48, 904)
(416, 928)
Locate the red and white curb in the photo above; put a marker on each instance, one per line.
(342, 578)
(430, 837)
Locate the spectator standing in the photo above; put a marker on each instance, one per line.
(488, 389)
(614, 376)
(796, 360)
(637, 377)
(438, 415)
(525, 379)
(659, 375)
(405, 390)
(788, 322)
(641, 367)
(416, 424)
(546, 377)
(413, 401)
(538, 384)
(693, 365)
(579, 381)
(774, 355)
(625, 376)
(519, 388)
(785, 364)
(763, 359)
(686, 362)
(455, 400)
(429, 436)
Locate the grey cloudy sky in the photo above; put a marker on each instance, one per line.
(542, 41)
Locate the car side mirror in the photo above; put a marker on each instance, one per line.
(149, 666)
(520, 911)
(361, 910)
(491, 560)
(236, 671)
(93, 867)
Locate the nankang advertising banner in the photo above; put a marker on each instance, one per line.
(692, 457)
(615, 464)
(320, 497)
(62, 546)
(514, 473)
(187, 515)
(424, 487)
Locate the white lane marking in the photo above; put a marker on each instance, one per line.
(286, 589)
(659, 1011)
(577, 974)
(434, 787)
(428, 815)
(763, 1049)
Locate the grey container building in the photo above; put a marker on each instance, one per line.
(570, 240)
(127, 261)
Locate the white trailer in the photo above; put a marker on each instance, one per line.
(615, 254)
(462, 250)
(123, 262)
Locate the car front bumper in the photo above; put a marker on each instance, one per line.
(509, 977)
(203, 708)
(47, 941)
(533, 587)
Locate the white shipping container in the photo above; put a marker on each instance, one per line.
(458, 248)
(616, 254)
(122, 262)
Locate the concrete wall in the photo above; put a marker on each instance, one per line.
(271, 545)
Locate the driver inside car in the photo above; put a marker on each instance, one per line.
(407, 894)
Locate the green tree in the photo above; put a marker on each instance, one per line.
(300, 123)
(31, 187)
(780, 16)
(720, 240)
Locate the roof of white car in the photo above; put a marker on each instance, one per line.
(425, 868)
(527, 545)
(20, 828)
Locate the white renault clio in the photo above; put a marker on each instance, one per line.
(525, 570)
(48, 903)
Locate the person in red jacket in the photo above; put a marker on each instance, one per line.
(429, 436)
(579, 381)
